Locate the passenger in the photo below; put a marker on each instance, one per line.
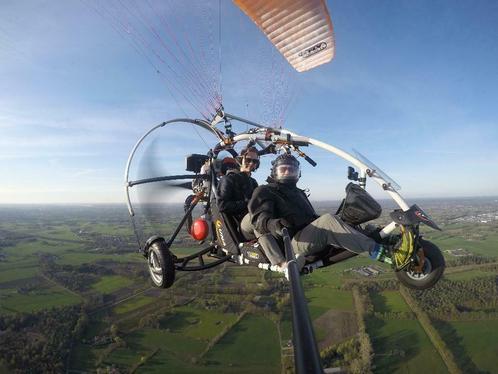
(228, 163)
(280, 203)
(234, 192)
(236, 187)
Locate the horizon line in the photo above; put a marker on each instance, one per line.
(320, 201)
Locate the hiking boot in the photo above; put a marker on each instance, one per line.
(382, 253)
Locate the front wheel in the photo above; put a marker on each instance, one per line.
(432, 269)
(161, 264)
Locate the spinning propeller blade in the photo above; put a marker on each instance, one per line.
(152, 196)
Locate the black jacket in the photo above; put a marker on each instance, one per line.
(277, 201)
(234, 192)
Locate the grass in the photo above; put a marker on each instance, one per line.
(474, 343)
(174, 364)
(484, 247)
(62, 232)
(286, 326)
(134, 304)
(16, 271)
(322, 299)
(388, 301)
(38, 299)
(111, 283)
(108, 229)
(176, 351)
(401, 346)
(198, 324)
(184, 335)
(25, 250)
(123, 357)
(181, 345)
(251, 346)
(334, 275)
(78, 258)
(84, 357)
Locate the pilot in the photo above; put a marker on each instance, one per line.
(280, 203)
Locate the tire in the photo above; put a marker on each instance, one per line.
(431, 272)
(161, 264)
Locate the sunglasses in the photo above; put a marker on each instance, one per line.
(249, 160)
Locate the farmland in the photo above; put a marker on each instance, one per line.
(83, 261)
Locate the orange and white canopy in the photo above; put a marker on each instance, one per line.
(301, 30)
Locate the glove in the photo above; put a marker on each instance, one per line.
(275, 226)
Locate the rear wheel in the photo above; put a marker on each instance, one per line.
(161, 264)
(431, 271)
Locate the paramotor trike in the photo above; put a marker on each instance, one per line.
(420, 266)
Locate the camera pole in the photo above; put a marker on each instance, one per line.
(306, 355)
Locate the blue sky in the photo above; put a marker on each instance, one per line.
(413, 87)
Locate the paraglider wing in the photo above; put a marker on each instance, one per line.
(301, 30)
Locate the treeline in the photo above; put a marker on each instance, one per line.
(363, 363)
(451, 299)
(377, 286)
(40, 342)
(80, 277)
(393, 315)
(342, 354)
(470, 260)
(76, 278)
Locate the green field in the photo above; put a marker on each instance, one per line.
(83, 257)
(156, 335)
(321, 299)
(24, 250)
(337, 274)
(286, 326)
(486, 246)
(388, 301)
(62, 232)
(133, 304)
(474, 344)
(252, 346)
(200, 324)
(83, 357)
(44, 297)
(108, 229)
(20, 270)
(111, 283)
(182, 337)
(401, 346)
(180, 345)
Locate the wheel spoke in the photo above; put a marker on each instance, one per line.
(426, 270)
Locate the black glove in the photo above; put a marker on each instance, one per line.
(275, 226)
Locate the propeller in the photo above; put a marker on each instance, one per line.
(152, 195)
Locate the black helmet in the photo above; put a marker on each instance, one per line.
(285, 169)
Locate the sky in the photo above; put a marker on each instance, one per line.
(413, 87)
